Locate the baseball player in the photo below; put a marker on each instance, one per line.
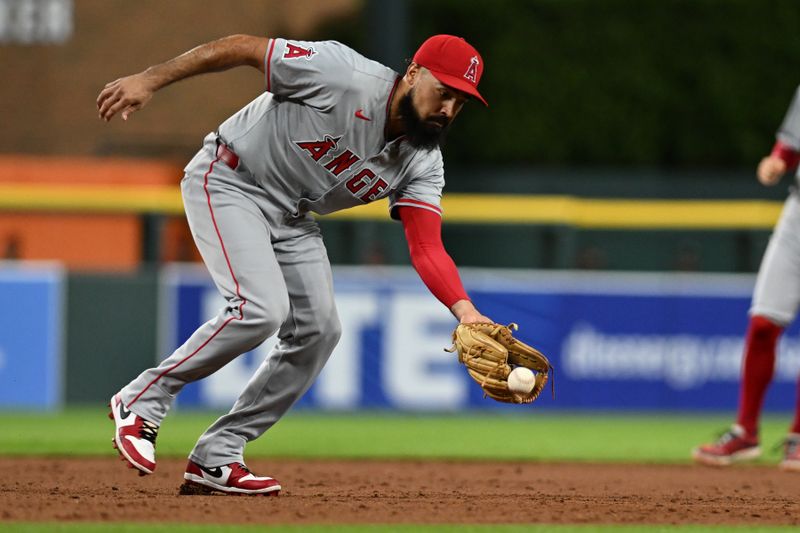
(333, 130)
(775, 302)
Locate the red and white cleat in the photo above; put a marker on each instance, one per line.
(233, 478)
(791, 453)
(733, 446)
(134, 437)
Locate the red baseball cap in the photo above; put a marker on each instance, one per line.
(452, 61)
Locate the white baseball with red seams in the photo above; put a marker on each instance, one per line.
(521, 380)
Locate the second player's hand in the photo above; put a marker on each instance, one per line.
(770, 170)
(124, 96)
(466, 313)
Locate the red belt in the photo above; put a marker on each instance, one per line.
(227, 156)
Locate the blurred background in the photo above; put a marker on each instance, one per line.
(606, 199)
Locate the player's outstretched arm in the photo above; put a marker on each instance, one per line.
(131, 93)
(437, 270)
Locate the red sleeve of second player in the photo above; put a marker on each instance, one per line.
(437, 270)
(789, 155)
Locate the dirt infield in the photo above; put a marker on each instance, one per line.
(331, 492)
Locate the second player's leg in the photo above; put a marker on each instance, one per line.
(777, 291)
(775, 302)
(777, 297)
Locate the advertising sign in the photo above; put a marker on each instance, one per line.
(31, 339)
(618, 341)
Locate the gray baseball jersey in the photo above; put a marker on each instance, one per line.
(314, 142)
(777, 291)
(316, 139)
(789, 132)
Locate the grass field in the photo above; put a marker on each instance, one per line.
(547, 437)
(655, 438)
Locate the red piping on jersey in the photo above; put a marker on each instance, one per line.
(435, 267)
(787, 154)
(413, 203)
(269, 63)
(389, 105)
(236, 282)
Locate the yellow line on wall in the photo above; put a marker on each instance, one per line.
(463, 208)
(91, 199)
(594, 213)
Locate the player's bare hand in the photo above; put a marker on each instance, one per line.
(770, 170)
(124, 96)
(467, 313)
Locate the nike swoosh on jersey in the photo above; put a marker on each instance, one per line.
(360, 114)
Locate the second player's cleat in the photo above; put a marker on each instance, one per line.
(233, 478)
(732, 447)
(134, 437)
(791, 453)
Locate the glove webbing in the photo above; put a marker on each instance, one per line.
(552, 371)
(475, 352)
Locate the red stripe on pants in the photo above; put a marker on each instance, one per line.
(236, 282)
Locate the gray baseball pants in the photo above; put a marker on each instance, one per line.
(777, 291)
(275, 275)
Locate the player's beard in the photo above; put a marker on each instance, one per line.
(424, 134)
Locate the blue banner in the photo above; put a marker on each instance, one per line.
(31, 339)
(618, 341)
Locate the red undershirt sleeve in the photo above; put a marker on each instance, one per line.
(437, 270)
(789, 155)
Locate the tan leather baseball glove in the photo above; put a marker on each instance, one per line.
(490, 352)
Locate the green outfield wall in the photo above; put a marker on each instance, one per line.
(625, 83)
(111, 332)
(670, 83)
(555, 247)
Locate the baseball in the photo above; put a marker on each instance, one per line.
(521, 380)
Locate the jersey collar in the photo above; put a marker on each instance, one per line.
(388, 109)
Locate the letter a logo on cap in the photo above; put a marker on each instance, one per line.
(472, 72)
